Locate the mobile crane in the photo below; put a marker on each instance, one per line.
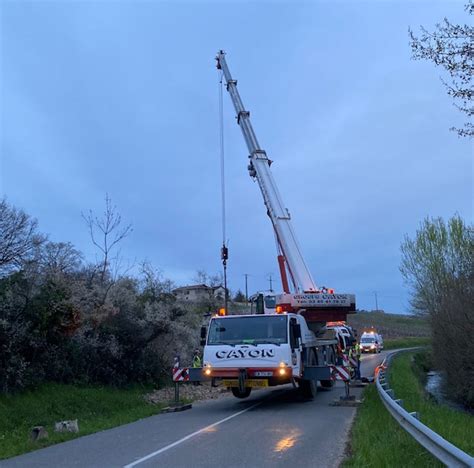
(319, 304)
(292, 344)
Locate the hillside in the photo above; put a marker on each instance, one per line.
(390, 325)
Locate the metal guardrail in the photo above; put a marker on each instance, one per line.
(443, 450)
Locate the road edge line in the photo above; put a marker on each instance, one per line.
(189, 436)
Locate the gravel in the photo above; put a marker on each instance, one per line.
(188, 392)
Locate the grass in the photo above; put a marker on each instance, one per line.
(378, 441)
(96, 408)
(407, 342)
(455, 426)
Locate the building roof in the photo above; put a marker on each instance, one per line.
(193, 286)
(198, 287)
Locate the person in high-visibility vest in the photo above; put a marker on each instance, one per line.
(196, 358)
(197, 362)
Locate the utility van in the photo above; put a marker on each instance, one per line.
(371, 342)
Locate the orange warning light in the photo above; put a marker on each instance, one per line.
(222, 312)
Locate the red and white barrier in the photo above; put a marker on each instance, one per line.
(341, 373)
(180, 374)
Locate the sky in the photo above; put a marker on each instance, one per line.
(121, 98)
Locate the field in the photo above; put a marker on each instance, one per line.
(390, 326)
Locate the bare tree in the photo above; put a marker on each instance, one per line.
(106, 232)
(451, 46)
(18, 237)
(60, 258)
(202, 277)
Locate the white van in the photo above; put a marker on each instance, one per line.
(371, 342)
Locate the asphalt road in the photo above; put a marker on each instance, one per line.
(273, 427)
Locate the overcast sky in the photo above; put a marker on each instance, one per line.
(122, 98)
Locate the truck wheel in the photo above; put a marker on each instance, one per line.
(309, 388)
(331, 360)
(238, 394)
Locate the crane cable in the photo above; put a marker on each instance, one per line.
(224, 249)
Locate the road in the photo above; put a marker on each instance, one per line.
(273, 427)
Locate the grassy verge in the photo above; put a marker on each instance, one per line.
(95, 408)
(406, 342)
(455, 426)
(378, 441)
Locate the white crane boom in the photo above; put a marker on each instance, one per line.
(259, 167)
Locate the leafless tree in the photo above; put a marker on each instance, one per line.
(18, 237)
(202, 277)
(451, 46)
(60, 257)
(106, 232)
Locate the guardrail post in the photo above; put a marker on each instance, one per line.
(399, 402)
(415, 414)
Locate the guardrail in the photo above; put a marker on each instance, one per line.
(443, 450)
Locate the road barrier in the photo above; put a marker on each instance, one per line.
(341, 373)
(443, 450)
(180, 374)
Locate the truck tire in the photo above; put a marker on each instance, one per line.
(309, 388)
(238, 394)
(331, 360)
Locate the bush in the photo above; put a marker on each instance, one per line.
(74, 329)
(66, 322)
(438, 264)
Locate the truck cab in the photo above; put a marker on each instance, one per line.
(247, 351)
(345, 334)
(263, 302)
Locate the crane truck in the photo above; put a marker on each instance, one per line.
(288, 342)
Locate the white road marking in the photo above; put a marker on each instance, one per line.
(184, 439)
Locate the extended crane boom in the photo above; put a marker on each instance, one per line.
(259, 168)
(289, 339)
(317, 305)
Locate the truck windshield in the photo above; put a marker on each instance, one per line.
(248, 330)
(270, 302)
(368, 340)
